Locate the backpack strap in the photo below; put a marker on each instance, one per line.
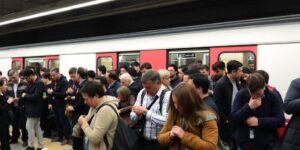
(161, 98)
(142, 96)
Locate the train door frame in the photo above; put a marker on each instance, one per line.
(17, 59)
(215, 52)
(49, 58)
(113, 55)
(128, 53)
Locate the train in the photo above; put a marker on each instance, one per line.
(273, 44)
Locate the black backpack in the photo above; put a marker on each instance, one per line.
(125, 138)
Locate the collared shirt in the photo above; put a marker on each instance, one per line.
(154, 119)
(15, 88)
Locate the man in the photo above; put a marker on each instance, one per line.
(123, 69)
(219, 69)
(127, 81)
(173, 75)
(136, 66)
(149, 107)
(15, 89)
(114, 84)
(224, 94)
(202, 84)
(145, 66)
(251, 65)
(101, 71)
(181, 70)
(57, 93)
(33, 107)
(204, 69)
(79, 107)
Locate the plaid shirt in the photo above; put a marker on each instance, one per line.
(154, 119)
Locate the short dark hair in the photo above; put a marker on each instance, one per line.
(93, 89)
(200, 80)
(82, 72)
(246, 70)
(112, 74)
(264, 74)
(103, 80)
(91, 74)
(2, 81)
(204, 67)
(45, 69)
(72, 70)
(136, 64)
(55, 70)
(132, 72)
(28, 72)
(255, 82)
(150, 75)
(102, 68)
(218, 65)
(46, 75)
(233, 65)
(184, 68)
(174, 66)
(191, 71)
(146, 65)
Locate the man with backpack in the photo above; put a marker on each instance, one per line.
(150, 111)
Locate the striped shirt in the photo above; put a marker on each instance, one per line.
(154, 119)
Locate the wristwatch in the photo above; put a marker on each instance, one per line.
(145, 112)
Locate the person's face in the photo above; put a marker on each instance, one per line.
(143, 70)
(180, 73)
(3, 88)
(124, 82)
(77, 77)
(14, 78)
(219, 72)
(88, 100)
(244, 76)
(54, 75)
(204, 72)
(251, 67)
(45, 81)
(137, 68)
(258, 94)
(166, 80)
(186, 78)
(172, 71)
(122, 71)
(151, 87)
(190, 82)
(237, 73)
(29, 79)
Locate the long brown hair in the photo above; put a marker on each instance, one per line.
(191, 107)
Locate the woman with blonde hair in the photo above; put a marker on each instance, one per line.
(190, 124)
(165, 78)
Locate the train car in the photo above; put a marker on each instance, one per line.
(272, 43)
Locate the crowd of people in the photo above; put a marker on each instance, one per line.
(177, 108)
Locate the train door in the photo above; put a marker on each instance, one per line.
(127, 58)
(52, 62)
(245, 54)
(188, 56)
(17, 63)
(36, 62)
(109, 60)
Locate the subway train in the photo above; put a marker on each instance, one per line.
(272, 43)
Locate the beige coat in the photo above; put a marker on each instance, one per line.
(104, 122)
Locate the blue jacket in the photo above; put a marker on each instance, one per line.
(112, 89)
(270, 117)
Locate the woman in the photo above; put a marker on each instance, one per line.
(100, 121)
(4, 118)
(256, 114)
(126, 102)
(165, 78)
(190, 124)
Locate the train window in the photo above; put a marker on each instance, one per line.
(106, 61)
(187, 57)
(16, 65)
(36, 62)
(248, 59)
(53, 63)
(128, 58)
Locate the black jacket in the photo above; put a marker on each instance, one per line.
(59, 92)
(292, 106)
(34, 99)
(135, 88)
(223, 97)
(22, 87)
(4, 118)
(112, 89)
(79, 107)
(175, 81)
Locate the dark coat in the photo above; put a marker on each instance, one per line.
(4, 106)
(175, 81)
(292, 106)
(79, 107)
(59, 92)
(223, 98)
(112, 89)
(22, 87)
(270, 117)
(34, 99)
(211, 103)
(135, 88)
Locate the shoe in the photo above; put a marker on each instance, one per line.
(57, 140)
(13, 141)
(65, 141)
(25, 143)
(29, 148)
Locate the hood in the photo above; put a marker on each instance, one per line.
(111, 100)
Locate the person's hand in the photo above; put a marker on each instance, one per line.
(23, 94)
(73, 97)
(254, 103)
(82, 119)
(50, 91)
(10, 100)
(50, 107)
(177, 131)
(69, 90)
(139, 110)
(252, 121)
(70, 108)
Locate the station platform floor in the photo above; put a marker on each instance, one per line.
(48, 145)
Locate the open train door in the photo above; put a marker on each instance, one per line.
(245, 54)
(109, 60)
(17, 63)
(52, 62)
